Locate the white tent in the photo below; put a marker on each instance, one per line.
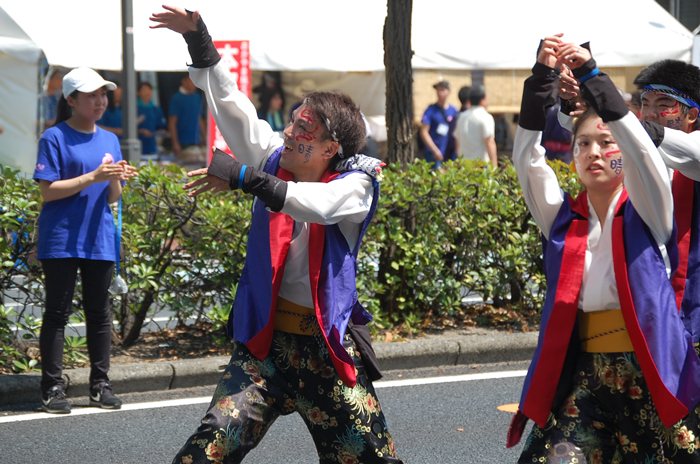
(19, 88)
(340, 44)
(322, 35)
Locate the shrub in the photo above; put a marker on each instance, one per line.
(434, 238)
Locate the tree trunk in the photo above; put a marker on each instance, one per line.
(399, 81)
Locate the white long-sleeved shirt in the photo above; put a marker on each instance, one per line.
(647, 183)
(345, 202)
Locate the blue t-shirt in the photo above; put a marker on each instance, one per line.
(112, 118)
(82, 225)
(439, 127)
(153, 120)
(188, 109)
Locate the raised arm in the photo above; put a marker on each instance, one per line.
(646, 176)
(538, 181)
(252, 140)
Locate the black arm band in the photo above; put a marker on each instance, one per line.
(601, 93)
(225, 167)
(201, 48)
(269, 189)
(539, 94)
(655, 131)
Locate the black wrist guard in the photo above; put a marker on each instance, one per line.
(269, 189)
(539, 94)
(201, 48)
(601, 93)
(225, 167)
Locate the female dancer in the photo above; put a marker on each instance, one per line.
(614, 370)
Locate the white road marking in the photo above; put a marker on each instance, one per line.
(207, 399)
(449, 379)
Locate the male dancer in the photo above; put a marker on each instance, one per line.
(297, 293)
(670, 97)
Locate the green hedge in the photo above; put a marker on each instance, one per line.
(435, 236)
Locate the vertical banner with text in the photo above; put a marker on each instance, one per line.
(235, 55)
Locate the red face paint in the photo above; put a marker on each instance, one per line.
(307, 115)
(610, 153)
(604, 127)
(670, 111)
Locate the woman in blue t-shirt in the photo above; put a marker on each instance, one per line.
(80, 172)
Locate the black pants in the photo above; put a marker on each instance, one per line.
(60, 275)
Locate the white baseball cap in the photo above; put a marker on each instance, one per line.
(84, 80)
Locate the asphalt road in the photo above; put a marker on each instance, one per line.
(444, 416)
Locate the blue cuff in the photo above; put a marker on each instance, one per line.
(240, 178)
(584, 78)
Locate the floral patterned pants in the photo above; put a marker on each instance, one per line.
(347, 424)
(609, 418)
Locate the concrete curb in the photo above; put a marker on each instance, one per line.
(468, 346)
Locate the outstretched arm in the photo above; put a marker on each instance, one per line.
(251, 139)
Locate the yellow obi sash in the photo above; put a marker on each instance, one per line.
(603, 332)
(292, 318)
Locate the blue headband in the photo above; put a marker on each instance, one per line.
(672, 93)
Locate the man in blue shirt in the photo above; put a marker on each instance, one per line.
(186, 118)
(435, 125)
(150, 119)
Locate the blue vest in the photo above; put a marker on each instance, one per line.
(332, 268)
(662, 345)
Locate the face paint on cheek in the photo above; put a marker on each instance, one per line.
(300, 147)
(674, 124)
(675, 109)
(307, 155)
(611, 153)
(616, 166)
(577, 151)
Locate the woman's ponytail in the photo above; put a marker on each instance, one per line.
(63, 110)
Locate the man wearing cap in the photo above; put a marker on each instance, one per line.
(435, 125)
(299, 344)
(476, 129)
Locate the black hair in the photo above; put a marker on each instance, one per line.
(143, 84)
(344, 118)
(111, 104)
(463, 94)
(266, 97)
(63, 109)
(476, 94)
(578, 122)
(676, 74)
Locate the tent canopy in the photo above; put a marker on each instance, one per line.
(19, 89)
(318, 35)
